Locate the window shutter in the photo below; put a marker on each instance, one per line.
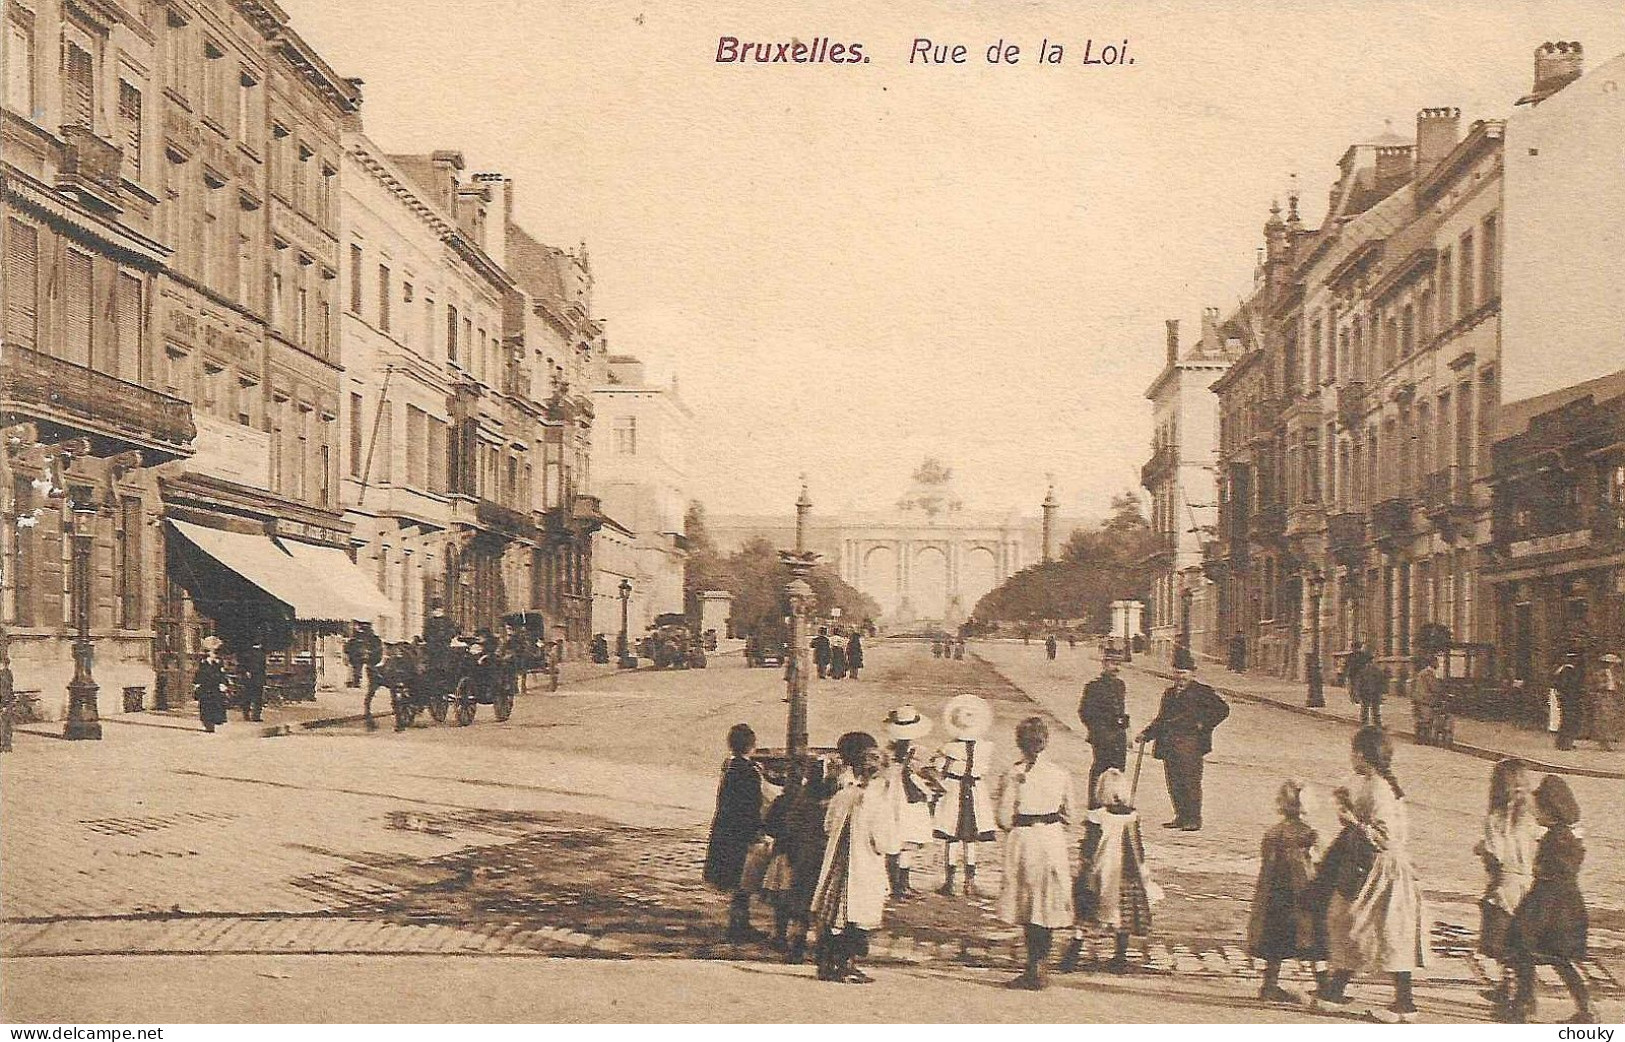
(129, 117)
(22, 284)
(76, 319)
(50, 600)
(131, 343)
(79, 94)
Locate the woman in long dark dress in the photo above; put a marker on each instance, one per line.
(1550, 924)
(211, 687)
(736, 825)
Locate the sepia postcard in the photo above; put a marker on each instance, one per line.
(543, 512)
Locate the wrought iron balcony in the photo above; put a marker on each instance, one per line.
(1391, 518)
(36, 386)
(1449, 491)
(1162, 464)
(1351, 403)
(504, 520)
(91, 166)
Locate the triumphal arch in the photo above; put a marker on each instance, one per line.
(929, 568)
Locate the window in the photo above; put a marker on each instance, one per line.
(179, 68)
(129, 329)
(1465, 276)
(355, 278)
(127, 570)
(246, 109)
(417, 447)
(383, 438)
(1315, 328)
(301, 460)
(21, 566)
(1407, 331)
(277, 299)
(355, 434)
(383, 297)
(20, 59)
(437, 456)
(247, 392)
(208, 235)
(1447, 313)
(245, 269)
(451, 333)
(1424, 317)
(129, 122)
(77, 287)
(1390, 343)
(78, 86)
(324, 194)
(626, 436)
(22, 284)
(214, 82)
(1489, 264)
(301, 316)
(213, 377)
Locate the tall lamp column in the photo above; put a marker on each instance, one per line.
(83, 721)
(623, 646)
(1317, 588)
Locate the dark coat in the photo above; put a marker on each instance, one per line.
(737, 823)
(1104, 711)
(820, 649)
(1551, 921)
(854, 653)
(1183, 659)
(1283, 923)
(1185, 721)
(800, 837)
(211, 687)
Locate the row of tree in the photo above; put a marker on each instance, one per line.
(1094, 568)
(756, 578)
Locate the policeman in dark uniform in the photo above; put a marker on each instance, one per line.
(1104, 712)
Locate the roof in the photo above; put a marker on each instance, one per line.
(1513, 417)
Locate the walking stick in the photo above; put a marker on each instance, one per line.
(1134, 783)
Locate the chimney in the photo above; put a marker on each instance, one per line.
(1173, 340)
(1556, 66)
(447, 165)
(1437, 131)
(1210, 329)
(1394, 166)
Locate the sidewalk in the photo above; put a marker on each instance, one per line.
(1485, 739)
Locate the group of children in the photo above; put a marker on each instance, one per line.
(830, 850)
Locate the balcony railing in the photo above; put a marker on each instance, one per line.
(504, 520)
(1391, 518)
(1162, 463)
(1449, 490)
(38, 386)
(1345, 532)
(90, 163)
(1350, 403)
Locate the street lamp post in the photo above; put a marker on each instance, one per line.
(1317, 587)
(800, 593)
(1128, 636)
(83, 722)
(1185, 597)
(623, 646)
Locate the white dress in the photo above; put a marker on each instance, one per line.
(1037, 886)
(965, 811)
(913, 817)
(1381, 929)
(852, 884)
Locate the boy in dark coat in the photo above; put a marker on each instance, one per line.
(736, 825)
(1550, 924)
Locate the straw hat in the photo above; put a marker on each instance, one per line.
(967, 718)
(211, 643)
(906, 722)
(1611, 657)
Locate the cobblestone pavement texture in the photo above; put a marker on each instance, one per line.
(578, 828)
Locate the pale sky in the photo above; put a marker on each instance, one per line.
(850, 267)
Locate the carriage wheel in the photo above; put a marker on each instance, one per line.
(503, 703)
(465, 702)
(437, 706)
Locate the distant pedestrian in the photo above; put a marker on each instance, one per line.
(1071, 638)
(1430, 705)
(1238, 653)
(361, 650)
(1282, 925)
(1365, 683)
(251, 678)
(1036, 804)
(914, 787)
(210, 686)
(1183, 736)
(1049, 647)
(1551, 923)
(964, 814)
(936, 649)
(837, 656)
(849, 902)
(1104, 713)
(1114, 888)
(1379, 927)
(1183, 658)
(736, 825)
(1569, 683)
(1507, 848)
(959, 650)
(1608, 704)
(854, 654)
(820, 649)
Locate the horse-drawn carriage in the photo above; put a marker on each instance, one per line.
(450, 681)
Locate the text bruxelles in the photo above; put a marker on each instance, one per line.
(819, 51)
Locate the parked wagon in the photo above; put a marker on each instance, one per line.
(451, 682)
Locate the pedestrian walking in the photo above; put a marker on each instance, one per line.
(362, 649)
(849, 902)
(1430, 706)
(1104, 713)
(1114, 889)
(936, 649)
(854, 654)
(1282, 925)
(837, 656)
(1049, 647)
(964, 814)
(1182, 734)
(1183, 658)
(1379, 928)
(820, 649)
(251, 678)
(1569, 683)
(1551, 923)
(1608, 704)
(1507, 849)
(1036, 803)
(210, 685)
(1365, 683)
(959, 650)
(735, 827)
(914, 787)
(1238, 653)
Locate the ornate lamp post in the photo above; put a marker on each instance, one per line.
(1128, 634)
(799, 665)
(1317, 587)
(82, 722)
(623, 646)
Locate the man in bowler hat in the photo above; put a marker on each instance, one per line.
(1105, 714)
(1183, 735)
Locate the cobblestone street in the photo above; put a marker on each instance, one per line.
(578, 829)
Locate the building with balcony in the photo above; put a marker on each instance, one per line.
(640, 472)
(1181, 478)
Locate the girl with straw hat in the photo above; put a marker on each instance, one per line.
(914, 787)
(964, 816)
